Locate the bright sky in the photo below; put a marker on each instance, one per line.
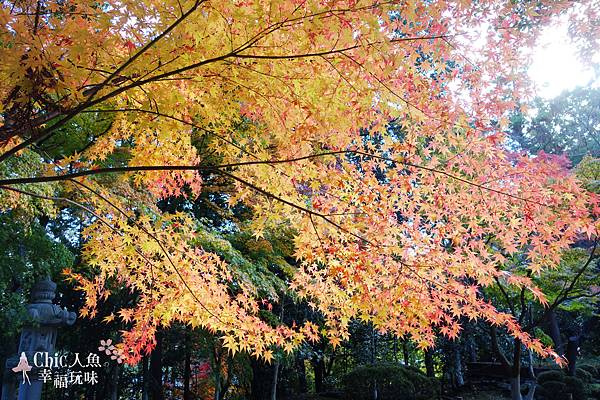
(555, 65)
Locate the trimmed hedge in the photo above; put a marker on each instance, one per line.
(392, 382)
(594, 390)
(553, 390)
(584, 375)
(592, 369)
(555, 385)
(576, 387)
(554, 375)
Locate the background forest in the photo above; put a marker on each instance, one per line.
(192, 363)
(296, 200)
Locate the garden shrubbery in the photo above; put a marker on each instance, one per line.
(555, 375)
(584, 375)
(593, 370)
(392, 382)
(556, 385)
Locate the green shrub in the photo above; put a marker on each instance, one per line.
(584, 375)
(426, 388)
(392, 382)
(553, 375)
(592, 369)
(556, 385)
(575, 386)
(594, 391)
(553, 390)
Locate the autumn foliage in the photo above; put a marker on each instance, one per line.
(371, 128)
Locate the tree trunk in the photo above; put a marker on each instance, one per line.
(217, 372)
(458, 375)
(472, 349)
(572, 352)
(319, 369)
(114, 389)
(275, 379)
(173, 375)
(530, 364)
(515, 387)
(375, 392)
(429, 363)
(512, 371)
(187, 371)
(262, 375)
(226, 383)
(515, 376)
(156, 375)
(217, 376)
(373, 346)
(405, 353)
(531, 390)
(301, 368)
(145, 378)
(555, 333)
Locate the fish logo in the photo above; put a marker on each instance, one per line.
(24, 367)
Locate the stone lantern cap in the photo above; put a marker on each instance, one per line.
(43, 291)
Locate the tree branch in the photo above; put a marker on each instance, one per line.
(496, 347)
(506, 297)
(148, 45)
(97, 171)
(564, 293)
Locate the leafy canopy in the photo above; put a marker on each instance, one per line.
(393, 231)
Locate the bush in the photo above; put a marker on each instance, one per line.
(592, 369)
(553, 390)
(553, 375)
(426, 388)
(594, 391)
(555, 385)
(392, 383)
(361, 382)
(584, 375)
(575, 386)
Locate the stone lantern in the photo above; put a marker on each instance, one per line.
(37, 337)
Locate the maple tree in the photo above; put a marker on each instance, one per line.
(398, 227)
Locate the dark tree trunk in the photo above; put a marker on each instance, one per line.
(301, 368)
(262, 375)
(429, 363)
(530, 369)
(457, 367)
(173, 376)
(319, 369)
(515, 376)
(515, 388)
(405, 353)
(472, 349)
(187, 371)
(555, 333)
(512, 371)
(145, 378)
(114, 389)
(373, 346)
(217, 368)
(156, 375)
(274, 381)
(572, 353)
